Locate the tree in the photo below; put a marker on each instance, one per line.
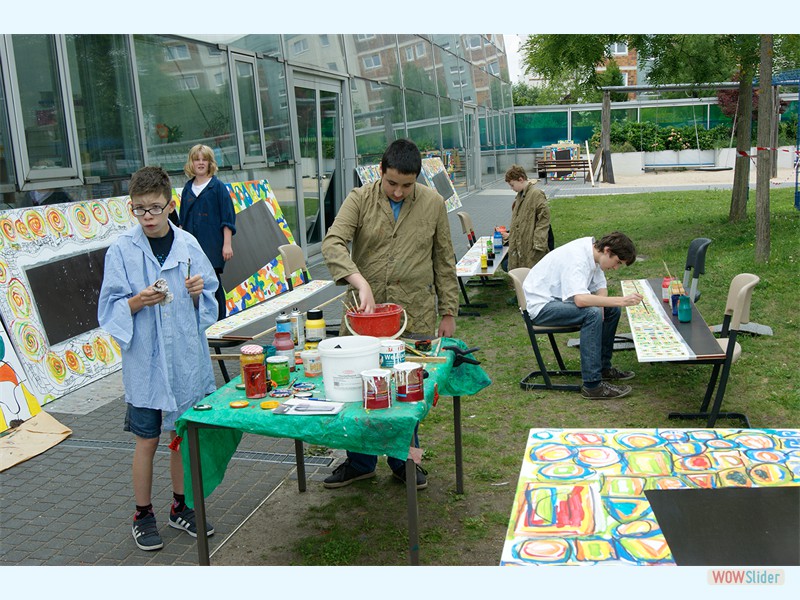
(523, 94)
(569, 61)
(763, 169)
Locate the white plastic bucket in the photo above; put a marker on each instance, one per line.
(343, 359)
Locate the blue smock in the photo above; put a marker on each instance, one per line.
(205, 215)
(165, 358)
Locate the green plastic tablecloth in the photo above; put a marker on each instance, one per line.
(388, 431)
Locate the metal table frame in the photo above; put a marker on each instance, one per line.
(193, 439)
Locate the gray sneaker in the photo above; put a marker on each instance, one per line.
(145, 533)
(615, 374)
(605, 391)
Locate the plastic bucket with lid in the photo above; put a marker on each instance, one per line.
(343, 359)
(383, 323)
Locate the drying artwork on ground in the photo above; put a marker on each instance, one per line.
(655, 336)
(580, 497)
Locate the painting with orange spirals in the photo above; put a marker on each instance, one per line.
(35, 223)
(74, 362)
(22, 228)
(56, 221)
(88, 351)
(56, 366)
(103, 350)
(7, 228)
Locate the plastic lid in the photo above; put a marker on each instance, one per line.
(278, 359)
(314, 314)
(252, 349)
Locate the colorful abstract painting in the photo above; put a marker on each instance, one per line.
(269, 280)
(580, 497)
(31, 238)
(17, 402)
(654, 335)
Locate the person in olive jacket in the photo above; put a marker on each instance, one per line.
(401, 253)
(529, 230)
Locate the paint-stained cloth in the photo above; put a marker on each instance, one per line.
(165, 359)
(529, 227)
(409, 262)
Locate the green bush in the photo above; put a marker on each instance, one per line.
(630, 136)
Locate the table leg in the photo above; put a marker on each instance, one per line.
(413, 513)
(223, 369)
(300, 461)
(467, 303)
(457, 443)
(193, 437)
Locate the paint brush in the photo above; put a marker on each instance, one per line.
(667, 268)
(638, 291)
(189, 268)
(355, 300)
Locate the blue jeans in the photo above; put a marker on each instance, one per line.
(366, 463)
(598, 330)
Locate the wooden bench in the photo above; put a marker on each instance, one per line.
(563, 168)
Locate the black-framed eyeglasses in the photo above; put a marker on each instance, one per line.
(155, 210)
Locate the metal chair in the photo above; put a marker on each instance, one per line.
(695, 265)
(527, 383)
(737, 312)
(293, 261)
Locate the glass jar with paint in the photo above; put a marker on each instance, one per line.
(284, 346)
(278, 369)
(315, 325)
(251, 354)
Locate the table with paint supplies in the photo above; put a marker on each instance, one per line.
(214, 429)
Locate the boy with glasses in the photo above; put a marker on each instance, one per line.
(568, 287)
(157, 300)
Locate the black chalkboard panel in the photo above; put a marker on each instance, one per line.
(66, 293)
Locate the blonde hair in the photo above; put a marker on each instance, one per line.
(204, 151)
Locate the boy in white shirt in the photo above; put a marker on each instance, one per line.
(568, 287)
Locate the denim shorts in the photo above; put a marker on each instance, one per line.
(143, 422)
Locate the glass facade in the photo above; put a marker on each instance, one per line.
(81, 113)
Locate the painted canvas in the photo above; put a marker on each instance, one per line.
(17, 402)
(61, 248)
(434, 175)
(268, 279)
(580, 499)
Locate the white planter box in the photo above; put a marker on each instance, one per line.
(627, 163)
(662, 158)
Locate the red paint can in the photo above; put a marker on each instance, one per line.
(376, 388)
(408, 382)
(255, 381)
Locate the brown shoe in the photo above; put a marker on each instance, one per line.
(605, 391)
(615, 374)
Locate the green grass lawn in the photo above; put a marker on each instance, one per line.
(365, 523)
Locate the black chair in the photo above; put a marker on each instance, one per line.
(737, 312)
(527, 382)
(695, 265)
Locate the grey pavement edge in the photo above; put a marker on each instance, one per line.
(73, 504)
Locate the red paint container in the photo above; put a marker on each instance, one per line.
(383, 323)
(255, 381)
(376, 388)
(408, 382)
